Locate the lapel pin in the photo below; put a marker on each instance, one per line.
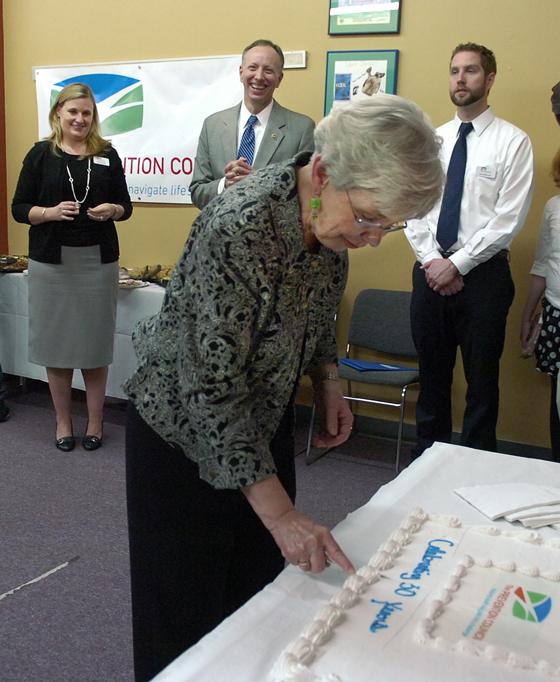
(274, 136)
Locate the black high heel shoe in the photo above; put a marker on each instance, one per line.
(92, 442)
(66, 443)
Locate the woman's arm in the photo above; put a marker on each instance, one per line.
(301, 540)
(334, 414)
(26, 195)
(118, 205)
(537, 280)
(25, 208)
(66, 210)
(537, 285)
(120, 198)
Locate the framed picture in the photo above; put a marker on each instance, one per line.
(364, 16)
(358, 74)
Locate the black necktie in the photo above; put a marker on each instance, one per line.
(448, 222)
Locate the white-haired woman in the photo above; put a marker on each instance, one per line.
(70, 191)
(250, 308)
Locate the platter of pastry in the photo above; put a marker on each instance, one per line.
(13, 263)
(158, 274)
(132, 284)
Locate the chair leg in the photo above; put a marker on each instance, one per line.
(399, 433)
(321, 452)
(310, 432)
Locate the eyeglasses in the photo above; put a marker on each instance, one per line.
(364, 224)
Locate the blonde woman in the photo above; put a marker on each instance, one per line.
(71, 190)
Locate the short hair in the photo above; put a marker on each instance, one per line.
(487, 57)
(265, 43)
(555, 100)
(385, 145)
(555, 169)
(94, 142)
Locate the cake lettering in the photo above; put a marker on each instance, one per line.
(407, 590)
(493, 613)
(433, 551)
(386, 610)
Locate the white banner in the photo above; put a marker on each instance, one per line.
(152, 112)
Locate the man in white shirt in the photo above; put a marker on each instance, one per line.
(462, 286)
(279, 133)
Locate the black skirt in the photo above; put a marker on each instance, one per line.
(547, 350)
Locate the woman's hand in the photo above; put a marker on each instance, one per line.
(307, 544)
(66, 210)
(103, 212)
(334, 414)
(301, 541)
(525, 331)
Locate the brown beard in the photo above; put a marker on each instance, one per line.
(471, 99)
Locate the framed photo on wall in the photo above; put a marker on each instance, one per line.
(358, 74)
(364, 16)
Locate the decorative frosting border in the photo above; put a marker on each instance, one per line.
(424, 632)
(292, 665)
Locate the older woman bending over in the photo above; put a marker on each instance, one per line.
(249, 309)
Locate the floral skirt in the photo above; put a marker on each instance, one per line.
(547, 350)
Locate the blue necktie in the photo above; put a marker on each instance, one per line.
(448, 222)
(247, 145)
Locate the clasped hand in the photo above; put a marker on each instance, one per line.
(102, 212)
(68, 210)
(443, 277)
(236, 170)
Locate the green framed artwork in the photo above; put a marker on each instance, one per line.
(358, 74)
(364, 16)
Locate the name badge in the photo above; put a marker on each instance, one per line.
(101, 160)
(487, 172)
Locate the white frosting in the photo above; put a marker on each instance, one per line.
(388, 566)
(291, 665)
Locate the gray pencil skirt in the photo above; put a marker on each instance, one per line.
(72, 310)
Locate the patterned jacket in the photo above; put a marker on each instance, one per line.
(248, 309)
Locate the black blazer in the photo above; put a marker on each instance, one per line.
(43, 182)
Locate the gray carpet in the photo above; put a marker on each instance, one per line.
(64, 593)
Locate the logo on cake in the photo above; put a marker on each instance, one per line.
(531, 606)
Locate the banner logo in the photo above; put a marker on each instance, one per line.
(531, 606)
(119, 99)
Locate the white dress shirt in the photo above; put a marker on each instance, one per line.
(496, 195)
(547, 256)
(258, 128)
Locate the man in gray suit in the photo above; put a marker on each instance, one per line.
(279, 133)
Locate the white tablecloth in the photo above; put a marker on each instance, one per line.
(244, 647)
(133, 305)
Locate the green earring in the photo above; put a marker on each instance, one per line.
(315, 203)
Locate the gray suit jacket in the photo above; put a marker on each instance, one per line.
(286, 134)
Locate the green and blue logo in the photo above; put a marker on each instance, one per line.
(531, 606)
(126, 113)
